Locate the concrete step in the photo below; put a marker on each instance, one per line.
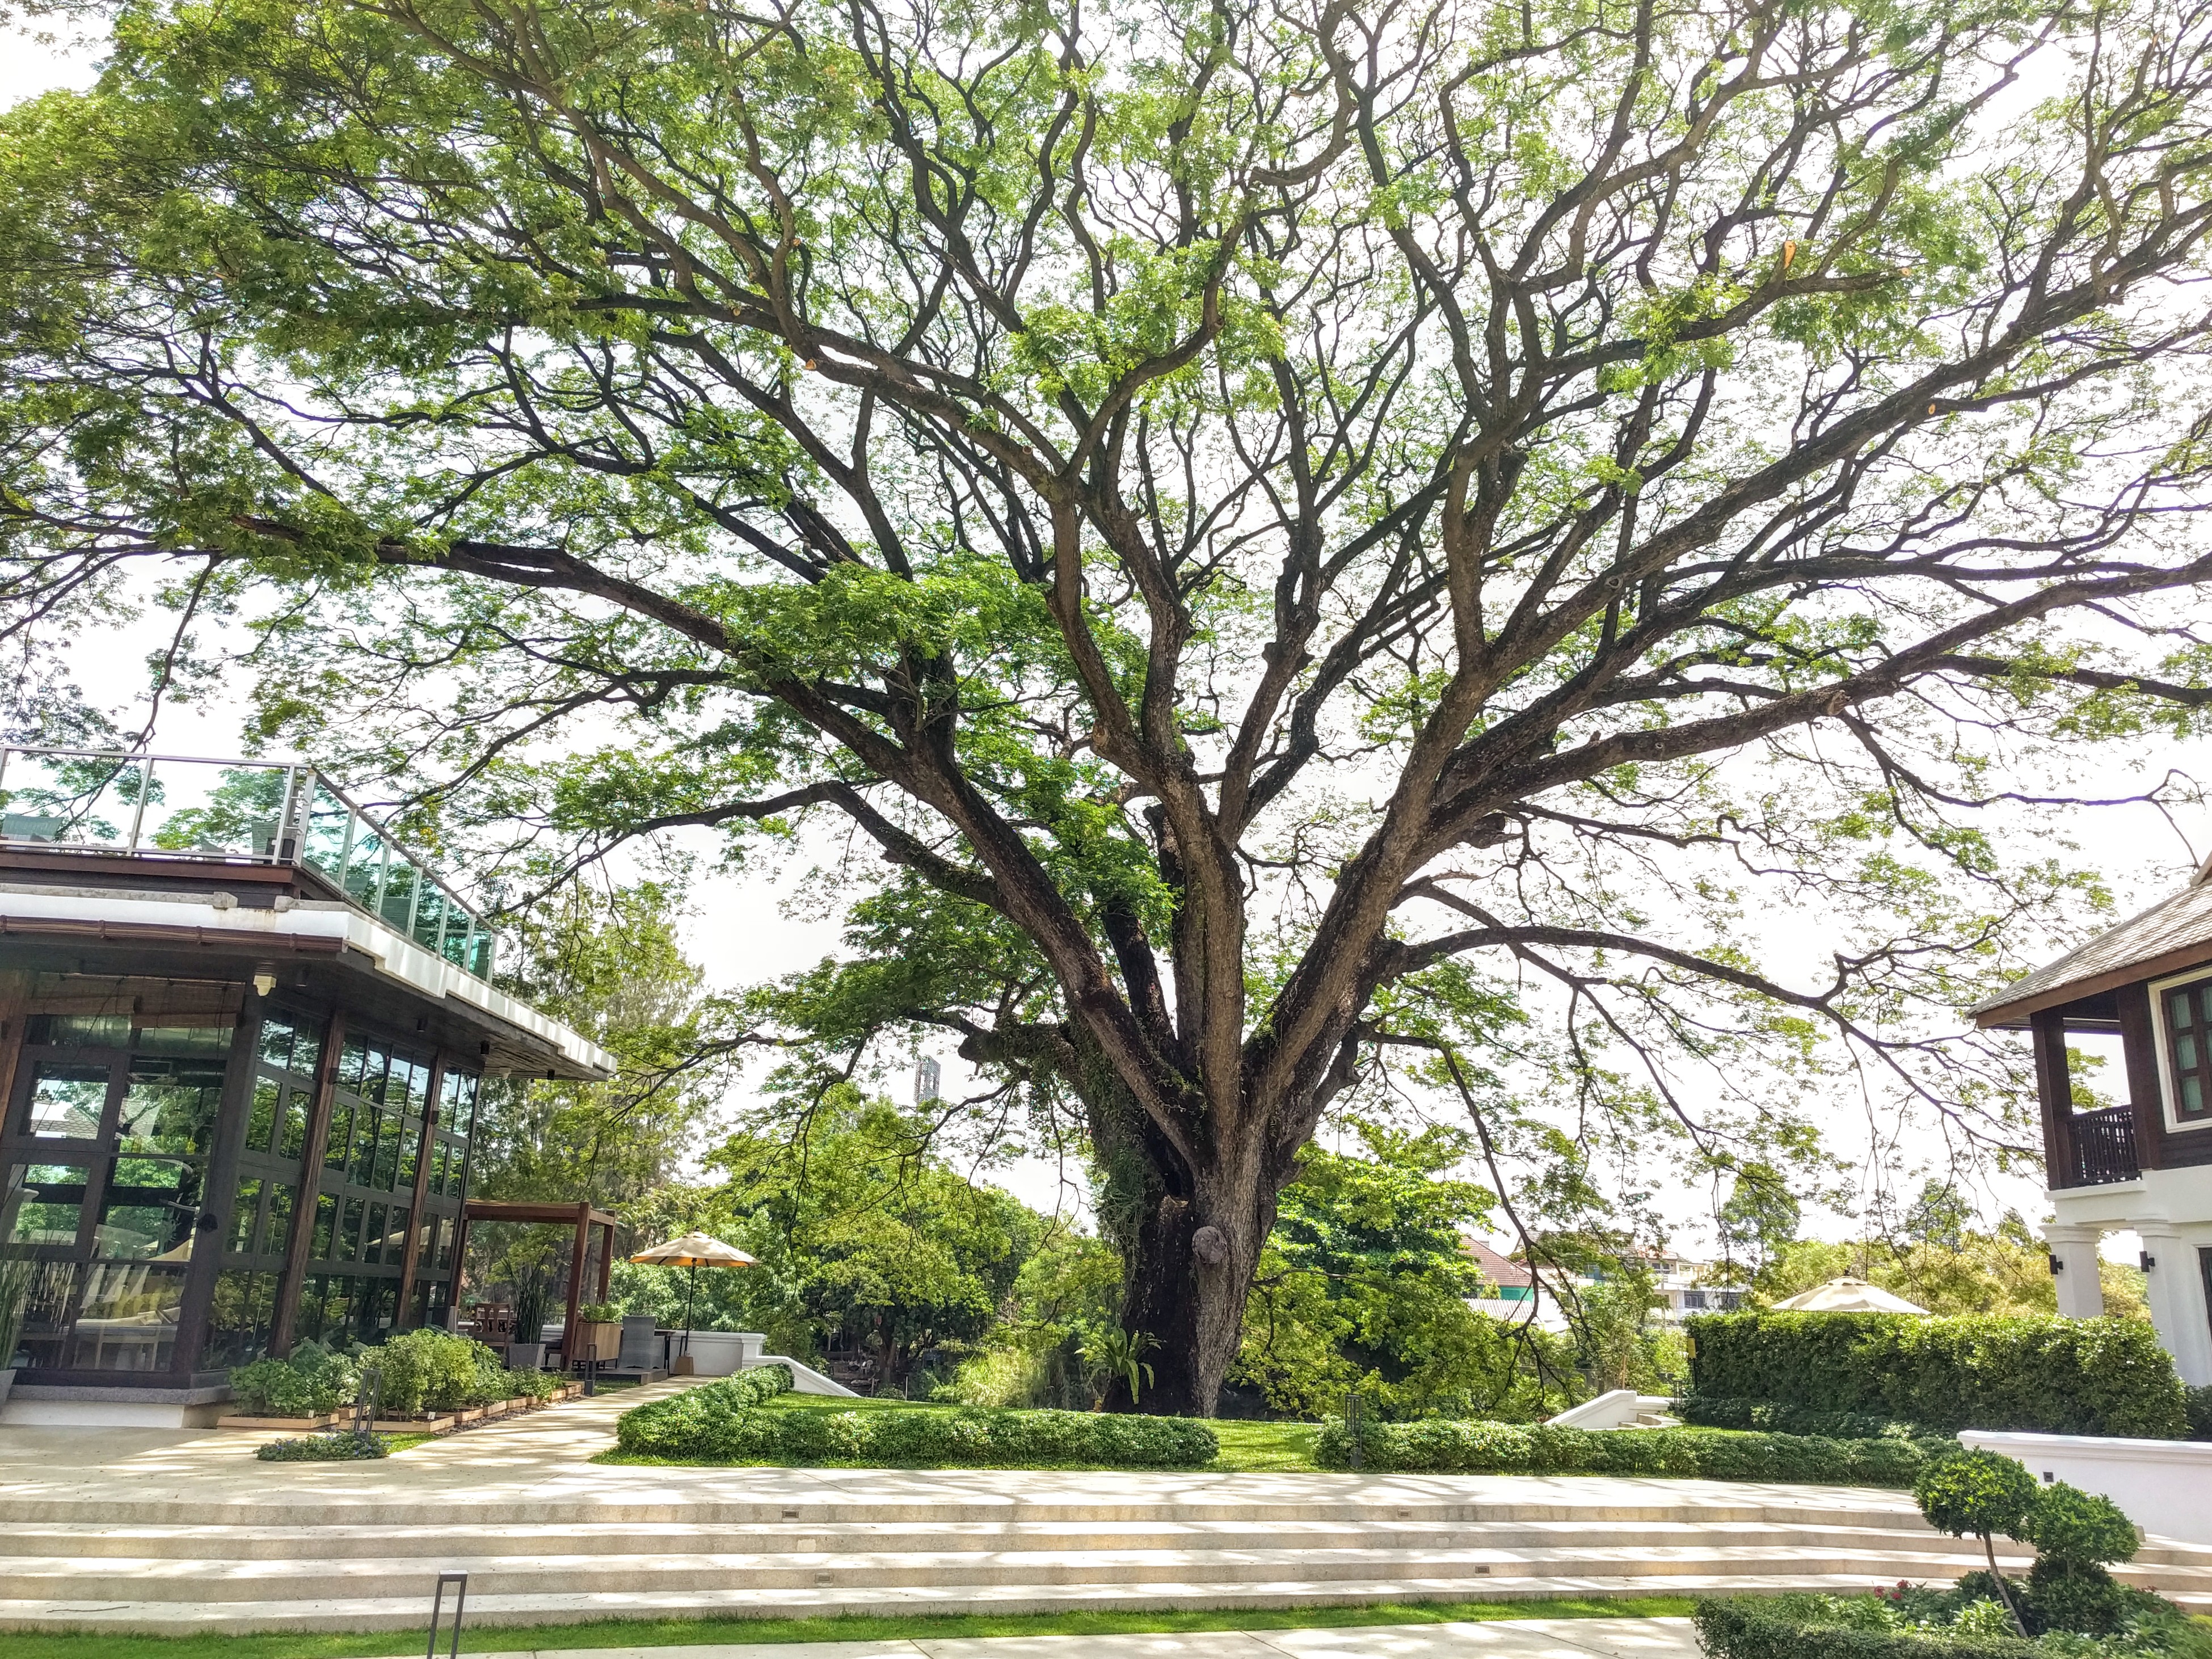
(322, 1544)
(411, 1613)
(155, 1579)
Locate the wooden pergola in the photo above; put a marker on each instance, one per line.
(582, 1217)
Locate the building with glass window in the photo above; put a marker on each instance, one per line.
(2144, 1164)
(242, 1036)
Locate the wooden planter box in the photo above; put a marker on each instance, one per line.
(294, 1424)
(596, 1340)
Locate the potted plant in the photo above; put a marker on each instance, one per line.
(598, 1334)
(527, 1352)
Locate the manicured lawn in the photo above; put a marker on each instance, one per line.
(1247, 1448)
(673, 1632)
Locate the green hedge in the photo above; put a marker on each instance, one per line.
(2052, 1375)
(1766, 1630)
(721, 1423)
(1474, 1448)
(1779, 1416)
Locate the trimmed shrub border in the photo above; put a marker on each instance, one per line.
(1779, 1416)
(721, 1423)
(1477, 1448)
(2045, 1374)
(1745, 1630)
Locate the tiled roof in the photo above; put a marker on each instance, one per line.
(2175, 924)
(1497, 1269)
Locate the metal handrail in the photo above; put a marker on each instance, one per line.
(288, 840)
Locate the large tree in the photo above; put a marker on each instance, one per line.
(1253, 511)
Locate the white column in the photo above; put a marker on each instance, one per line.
(2177, 1304)
(2074, 1262)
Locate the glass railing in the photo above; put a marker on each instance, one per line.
(234, 812)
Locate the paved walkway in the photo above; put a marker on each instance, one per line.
(542, 1460)
(1498, 1638)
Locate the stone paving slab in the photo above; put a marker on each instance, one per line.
(1492, 1638)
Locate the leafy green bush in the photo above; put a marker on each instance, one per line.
(1447, 1447)
(429, 1370)
(721, 1423)
(310, 1382)
(1780, 1417)
(346, 1448)
(1928, 1623)
(2046, 1374)
(2196, 1407)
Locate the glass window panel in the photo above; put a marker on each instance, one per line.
(170, 1105)
(479, 956)
(306, 1045)
(375, 1073)
(210, 1038)
(234, 811)
(326, 1216)
(353, 1061)
(440, 1154)
(276, 1235)
(80, 1031)
(372, 1243)
(74, 800)
(366, 1125)
(261, 1115)
(67, 1101)
(53, 1198)
(338, 1148)
(410, 1144)
(127, 1318)
(2192, 1093)
(395, 1237)
(296, 1124)
(2185, 1051)
(148, 1212)
(239, 1317)
(2204, 996)
(349, 1240)
(244, 1211)
(365, 869)
(430, 915)
(387, 1153)
(2179, 1009)
(458, 924)
(398, 906)
(275, 1046)
(325, 848)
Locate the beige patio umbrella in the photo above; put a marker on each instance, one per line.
(1848, 1296)
(693, 1250)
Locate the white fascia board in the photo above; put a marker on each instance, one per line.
(2181, 1196)
(396, 956)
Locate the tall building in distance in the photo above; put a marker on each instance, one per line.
(928, 1081)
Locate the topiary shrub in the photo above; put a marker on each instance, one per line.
(1441, 1447)
(2075, 1534)
(2196, 1407)
(2044, 1374)
(1978, 1494)
(722, 1423)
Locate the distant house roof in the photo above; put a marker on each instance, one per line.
(2173, 934)
(1499, 1270)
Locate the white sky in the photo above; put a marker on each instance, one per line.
(744, 932)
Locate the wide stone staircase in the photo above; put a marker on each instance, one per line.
(855, 1542)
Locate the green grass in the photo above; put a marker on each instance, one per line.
(671, 1633)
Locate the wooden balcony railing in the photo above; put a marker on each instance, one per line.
(2104, 1146)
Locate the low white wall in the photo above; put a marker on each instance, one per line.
(720, 1354)
(2160, 1484)
(805, 1379)
(1607, 1411)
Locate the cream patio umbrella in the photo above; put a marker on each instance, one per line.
(693, 1250)
(1848, 1296)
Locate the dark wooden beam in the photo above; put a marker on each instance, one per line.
(425, 1143)
(2054, 1088)
(311, 1186)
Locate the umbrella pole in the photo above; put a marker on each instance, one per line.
(690, 1287)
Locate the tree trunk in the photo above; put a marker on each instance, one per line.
(1184, 1284)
